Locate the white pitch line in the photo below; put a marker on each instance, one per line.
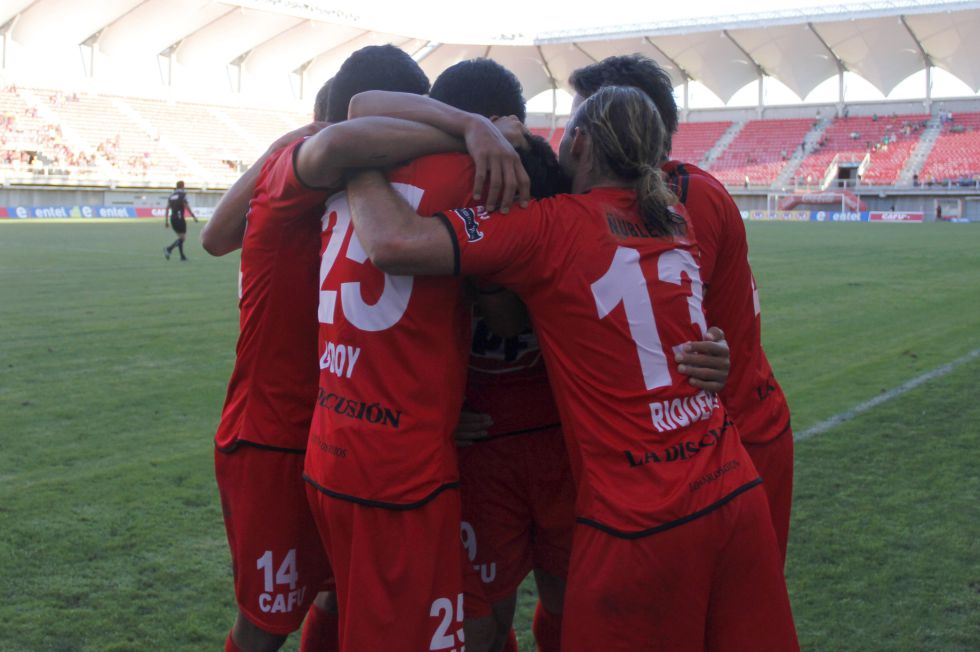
(847, 415)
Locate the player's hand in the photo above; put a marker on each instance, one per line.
(706, 362)
(296, 134)
(498, 166)
(472, 427)
(512, 129)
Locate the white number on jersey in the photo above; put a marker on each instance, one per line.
(397, 289)
(624, 283)
(286, 574)
(443, 639)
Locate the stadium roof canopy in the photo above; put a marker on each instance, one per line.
(882, 41)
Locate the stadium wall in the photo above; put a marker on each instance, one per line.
(964, 204)
(76, 202)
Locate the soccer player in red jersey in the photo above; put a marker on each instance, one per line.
(752, 397)
(516, 487)
(674, 547)
(262, 438)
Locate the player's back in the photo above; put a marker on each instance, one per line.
(176, 201)
(272, 388)
(610, 301)
(392, 357)
(752, 396)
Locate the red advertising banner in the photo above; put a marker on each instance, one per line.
(895, 216)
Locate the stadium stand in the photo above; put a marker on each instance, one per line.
(887, 140)
(760, 151)
(693, 140)
(953, 158)
(126, 139)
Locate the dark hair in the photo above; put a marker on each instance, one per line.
(320, 103)
(480, 86)
(180, 184)
(541, 164)
(639, 72)
(627, 143)
(374, 68)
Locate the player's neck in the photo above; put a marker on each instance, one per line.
(585, 182)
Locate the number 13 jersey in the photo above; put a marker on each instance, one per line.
(610, 302)
(393, 353)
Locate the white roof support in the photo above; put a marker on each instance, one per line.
(760, 71)
(684, 74)
(926, 59)
(841, 66)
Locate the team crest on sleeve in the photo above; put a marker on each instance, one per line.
(469, 217)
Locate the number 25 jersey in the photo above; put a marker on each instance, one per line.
(393, 353)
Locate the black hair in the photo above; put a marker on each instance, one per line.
(180, 184)
(480, 86)
(320, 104)
(541, 164)
(627, 143)
(374, 68)
(639, 72)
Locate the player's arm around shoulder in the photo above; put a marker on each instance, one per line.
(395, 238)
(223, 233)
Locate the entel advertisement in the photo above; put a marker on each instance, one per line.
(90, 212)
(899, 217)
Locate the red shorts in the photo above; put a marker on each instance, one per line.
(399, 573)
(518, 510)
(714, 583)
(774, 461)
(276, 554)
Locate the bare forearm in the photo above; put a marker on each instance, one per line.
(223, 233)
(394, 237)
(407, 106)
(368, 142)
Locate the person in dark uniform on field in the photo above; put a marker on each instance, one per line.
(174, 216)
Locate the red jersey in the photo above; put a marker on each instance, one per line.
(273, 384)
(609, 302)
(392, 358)
(751, 396)
(507, 380)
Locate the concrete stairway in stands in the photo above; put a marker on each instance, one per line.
(917, 160)
(810, 141)
(720, 146)
(183, 157)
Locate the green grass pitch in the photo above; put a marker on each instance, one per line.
(113, 364)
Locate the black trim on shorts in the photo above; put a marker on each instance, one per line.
(452, 235)
(669, 526)
(782, 433)
(398, 507)
(512, 433)
(262, 447)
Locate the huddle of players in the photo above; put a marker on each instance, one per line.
(674, 547)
